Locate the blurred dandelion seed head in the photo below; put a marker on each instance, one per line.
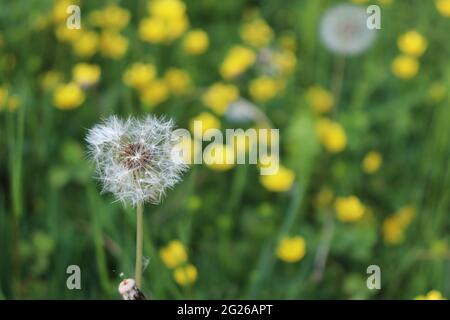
(343, 30)
(134, 158)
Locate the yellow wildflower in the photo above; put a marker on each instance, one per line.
(196, 42)
(285, 61)
(185, 276)
(65, 34)
(219, 96)
(177, 80)
(68, 96)
(111, 17)
(173, 254)
(138, 75)
(281, 181)
(372, 162)
(154, 93)
(86, 44)
(219, 157)
(349, 209)
(59, 10)
(238, 60)
(256, 33)
(113, 45)
(405, 67)
(412, 43)
(85, 74)
(331, 135)
(443, 7)
(320, 99)
(207, 120)
(263, 88)
(394, 227)
(291, 249)
(432, 295)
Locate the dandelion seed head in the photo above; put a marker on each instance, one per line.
(134, 158)
(343, 30)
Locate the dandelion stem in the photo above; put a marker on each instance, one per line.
(139, 241)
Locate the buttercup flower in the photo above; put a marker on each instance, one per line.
(432, 295)
(372, 162)
(174, 254)
(134, 158)
(185, 276)
(264, 88)
(281, 181)
(219, 96)
(343, 30)
(394, 226)
(291, 249)
(331, 135)
(320, 99)
(412, 43)
(195, 42)
(154, 93)
(113, 45)
(405, 67)
(86, 44)
(349, 209)
(177, 80)
(237, 61)
(68, 96)
(138, 75)
(443, 7)
(85, 74)
(256, 33)
(111, 17)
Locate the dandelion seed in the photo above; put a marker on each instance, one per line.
(134, 158)
(343, 30)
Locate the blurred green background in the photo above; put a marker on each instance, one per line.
(364, 147)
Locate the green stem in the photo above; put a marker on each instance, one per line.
(139, 241)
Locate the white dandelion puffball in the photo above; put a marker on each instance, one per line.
(343, 30)
(134, 158)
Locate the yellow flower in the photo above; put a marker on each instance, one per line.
(50, 79)
(443, 7)
(394, 227)
(196, 42)
(405, 67)
(331, 135)
(285, 61)
(207, 120)
(281, 181)
(138, 75)
(85, 74)
(177, 80)
(86, 44)
(263, 88)
(185, 276)
(154, 93)
(256, 33)
(432, 295)
(219, 96)
(113, 45)
(412, 43)
(59, 11)
(291, 249)
(238, 60)
(111, 17)
(173, 254)
(168, 20)
(372, 162)
(65, 34)
(320, 99)
(68, 96)
(349, 209)
(220, 158)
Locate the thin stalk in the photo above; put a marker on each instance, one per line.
(139, 241)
